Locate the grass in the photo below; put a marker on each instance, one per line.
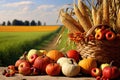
(64, 43)
(13, 44)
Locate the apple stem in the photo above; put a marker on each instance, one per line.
(66, 55)
(71, 61)
(111, 63)
(43, 56)
(24, 55)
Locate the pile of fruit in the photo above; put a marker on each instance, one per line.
(56, 63)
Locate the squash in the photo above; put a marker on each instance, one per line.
(54, 55)
(63, 60)
(87, 64)
(70, 68)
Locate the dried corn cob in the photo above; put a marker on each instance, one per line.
(86, 26)
(105, 12)
(94, 15)
(71, 19)
(71, 27)
(98, 16)
(83, 9)
(118, 21)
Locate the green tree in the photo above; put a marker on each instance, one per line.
(3, 24)
(39, 23)
(26, 23)
(33, 23)
(44, 23)
(8, 23)
(17, 22)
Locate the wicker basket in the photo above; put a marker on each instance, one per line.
(103, 51)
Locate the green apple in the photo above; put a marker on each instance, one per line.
(32, 52)
(102, 66)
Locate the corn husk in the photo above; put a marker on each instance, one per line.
(98, 17)
(86, 26)
(118, 22)
(84, 11)
(71, 19)
(94, 15)
(70, 26)
(105, 12)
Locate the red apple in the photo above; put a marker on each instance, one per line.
(53, 69)
(32, 58)
(99, 36)
(73, 54)
(110, 72)
(110, 35)
(41, 62)
(96, 72)
(7, 74)
(12, 72)
(11, 67)
(17, 63)
(24, 68)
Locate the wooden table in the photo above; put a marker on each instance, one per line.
(41, 77)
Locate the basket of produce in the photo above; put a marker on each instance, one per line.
(95, 30)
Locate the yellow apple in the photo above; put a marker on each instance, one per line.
(102, 66)
(33, 51)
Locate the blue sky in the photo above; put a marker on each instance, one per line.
(43, 10)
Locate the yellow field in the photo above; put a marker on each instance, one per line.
(27, 28)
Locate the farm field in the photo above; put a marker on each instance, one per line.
(27, 28)
(64, 43)
(14, 43)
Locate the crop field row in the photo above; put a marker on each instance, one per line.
(14, 44)
(27, 28)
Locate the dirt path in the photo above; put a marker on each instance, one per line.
(51, 45)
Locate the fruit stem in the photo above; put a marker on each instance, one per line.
(111, 63)
(23, 57)
(71, 61)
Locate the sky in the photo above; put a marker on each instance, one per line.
(43, 10)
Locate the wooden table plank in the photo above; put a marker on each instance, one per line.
(41, 77)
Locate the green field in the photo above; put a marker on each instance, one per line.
(13, 44)
(64, 43)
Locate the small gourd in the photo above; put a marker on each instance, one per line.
(87, 64)
(70, 69)
(63, 60)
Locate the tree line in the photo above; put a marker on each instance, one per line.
(16, 22)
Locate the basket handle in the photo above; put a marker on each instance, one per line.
(94, 27)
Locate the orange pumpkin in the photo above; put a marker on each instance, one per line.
(54, 55)
(87, 64)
